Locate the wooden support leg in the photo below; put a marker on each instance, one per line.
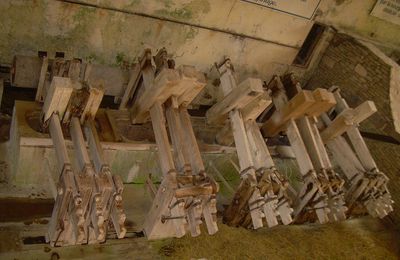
(209, 209)
(166, 217)
(331, 184)
(247, 194)
(311, 184)
(110, 195)
(67, 215)
(277, 203)
(91, 201)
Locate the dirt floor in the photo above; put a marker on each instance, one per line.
(364, 238)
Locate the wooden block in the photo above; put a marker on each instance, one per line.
(92, 103)
(238, 98)
(339, 125)
(193, 191)
(227, 78)
(252, 110)
(324, 100)
(293, 109)
(74, 71)
(57, 98)
(193, 82)
(154, 92)
(364, 111)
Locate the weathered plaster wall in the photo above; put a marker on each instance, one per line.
(352, 17)
(269, 40)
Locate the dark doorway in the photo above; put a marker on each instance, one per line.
(306, 50)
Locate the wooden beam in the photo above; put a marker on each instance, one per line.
(238, 98)
(252, 110)
(92, 103)
(261, 156)
(42, 79)
(161, 136)
(346, 119)
(192, 83)
(154, 89)
(190, 142)
(324, 100)
(57, 98)
(299, 149)
(134, 79)
(176, 132)
(58, 141)
(293, 109)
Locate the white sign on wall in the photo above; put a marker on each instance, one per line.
(388, 10)
(301, 8)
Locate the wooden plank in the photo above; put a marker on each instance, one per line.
(299, 149)
(74, 71)
(346, 119)
(310, 142)
(355, 137)
(42, 79)
(241, 141)
(134, 79)
(94, 144)
(82, 155)
(190, 142)
(320, 144)
(227, 78)
(161, 136)
(293, 109)
(345, 157)
(58, 141)
(238, 98)
(261, 155)
(57, 99)
(176, 132)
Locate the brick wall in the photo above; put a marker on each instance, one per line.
(362, 75)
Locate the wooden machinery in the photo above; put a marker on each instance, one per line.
(186, 194)
(367, 186)
(88, 195)
(262, 193)
(320, 127)
(296, 114)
